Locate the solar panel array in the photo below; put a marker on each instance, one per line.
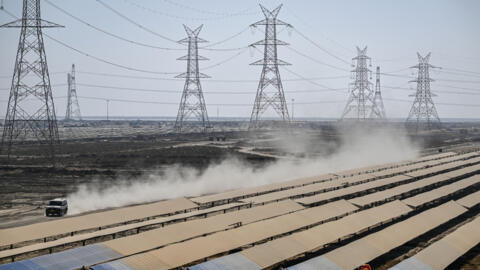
(92, 221)
(374, 245)
(267, 226)
(442, 253)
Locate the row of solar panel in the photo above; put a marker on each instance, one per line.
(82, 237)
(92, 254)
(78, 255)
(322, 188)
(66, 226)
(277, 251)
(200, 248)
(106, 218)
(350, 256)
(253, 191)
(117, 248)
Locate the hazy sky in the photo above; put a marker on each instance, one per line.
(393, 30)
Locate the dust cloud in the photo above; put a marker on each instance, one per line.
(357, 147)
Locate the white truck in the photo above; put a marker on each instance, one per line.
(57, 207)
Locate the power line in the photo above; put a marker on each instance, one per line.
(462, 70)
(243, 12)
(176, 103)
(317, 61)
(53, 85)
(456, 87)
(458, 73)
(320, 47)
(205, 92)
(210, 80)
(313, 82)
(436, 103)
(95, 57)
(145, 44)
(50, 73)
(440, 80)
(208, 47)
(156, 11)
(107, 61)
(227, 59)
(135, 23)
(301, 78)
(435, 91)
(249, 105)
(308, 25)
(460, 58)
(108, 33)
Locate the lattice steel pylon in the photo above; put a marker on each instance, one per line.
(192, 102)
(269, 96)
(423, 111)
(378, 109)
(360, 100)
(30, 109)
(73, 109)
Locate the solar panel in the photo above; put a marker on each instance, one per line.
(398, 190)
(374, 245)
(445, 251)
(339, 193)
(426, 197)
(8, 253)
(241, 193)
(289, 193)
(179, 254)
(271, 253)
(69, 259)
(91, 221)
(470, 200)
(176, 232)
(234, 261)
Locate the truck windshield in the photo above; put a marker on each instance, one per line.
(59, 203)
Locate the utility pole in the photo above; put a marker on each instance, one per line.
(360, 100)
(108, 102)
(30, 109)
(192, 102)
(73, 109)
(293, 107)
(269, 96)
(423, 111)
(378, 109)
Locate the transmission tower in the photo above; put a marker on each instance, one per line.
(423, 110)
(30, 110)
(192, 102)
(378, 110)
(360, 101)
(73, 109)
(270, 90)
